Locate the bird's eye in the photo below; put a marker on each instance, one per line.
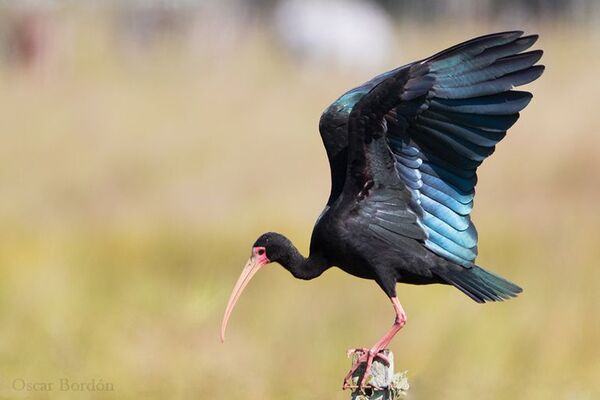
(261, 252)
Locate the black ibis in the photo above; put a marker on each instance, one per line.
(404, 150)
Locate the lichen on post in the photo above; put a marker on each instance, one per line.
(382, 383)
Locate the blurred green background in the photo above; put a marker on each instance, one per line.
(145, 145)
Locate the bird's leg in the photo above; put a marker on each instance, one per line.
(374, 352)
(399, 322)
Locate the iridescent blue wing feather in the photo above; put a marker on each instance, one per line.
(456, 106)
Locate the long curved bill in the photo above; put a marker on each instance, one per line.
(252, 266)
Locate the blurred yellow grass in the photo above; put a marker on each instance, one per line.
(132, 189)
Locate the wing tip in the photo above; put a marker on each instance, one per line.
(532, 37)
(505, 34)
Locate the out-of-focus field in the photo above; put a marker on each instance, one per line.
(133, 187)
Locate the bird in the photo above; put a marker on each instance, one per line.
(404, 149)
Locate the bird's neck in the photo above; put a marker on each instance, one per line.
(302, 267)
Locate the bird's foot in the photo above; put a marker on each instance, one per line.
(366, 356)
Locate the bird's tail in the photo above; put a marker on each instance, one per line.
(481, 285)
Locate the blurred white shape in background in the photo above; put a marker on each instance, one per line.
(349, 34)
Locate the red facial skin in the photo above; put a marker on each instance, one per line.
(257, 260)
(261, 253)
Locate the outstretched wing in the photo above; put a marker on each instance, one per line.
(334, 133)
(444, 115)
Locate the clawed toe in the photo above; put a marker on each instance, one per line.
(366, 356)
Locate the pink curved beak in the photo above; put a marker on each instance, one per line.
(255, 263)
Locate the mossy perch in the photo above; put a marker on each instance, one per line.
(382, 384)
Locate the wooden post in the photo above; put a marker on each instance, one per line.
(382, 384)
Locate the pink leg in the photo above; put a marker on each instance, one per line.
(381, 344)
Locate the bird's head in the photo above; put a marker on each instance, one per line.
(276, 247)
(269, 247)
